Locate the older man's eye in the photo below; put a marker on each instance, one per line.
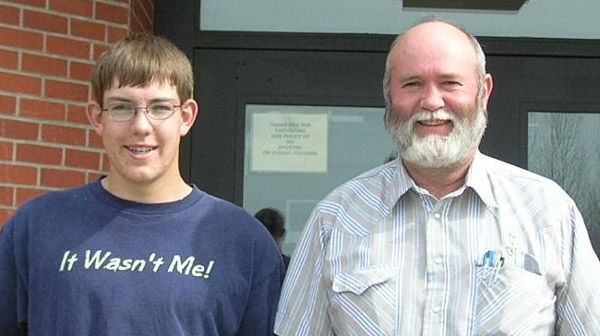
(411, 84)
(452, 83)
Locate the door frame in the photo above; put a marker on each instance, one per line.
(179, 20)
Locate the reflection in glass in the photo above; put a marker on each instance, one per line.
(295, 155)
(564, 147)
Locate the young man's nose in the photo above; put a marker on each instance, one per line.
(141, 122)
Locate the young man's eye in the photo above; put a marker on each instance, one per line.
(161, 108)
(120, 107)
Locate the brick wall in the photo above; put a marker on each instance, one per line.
(47, 51)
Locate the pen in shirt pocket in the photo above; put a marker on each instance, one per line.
(493, 258)
(511, 257)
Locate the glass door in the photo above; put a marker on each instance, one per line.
(563, 146)
(295, 155)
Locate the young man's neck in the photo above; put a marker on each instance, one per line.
(147, 192)
(439, 181)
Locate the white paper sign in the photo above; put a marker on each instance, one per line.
(289, 142)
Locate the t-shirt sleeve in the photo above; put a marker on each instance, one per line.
(259, 314)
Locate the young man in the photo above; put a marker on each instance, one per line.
(444, 240)
(139, 252)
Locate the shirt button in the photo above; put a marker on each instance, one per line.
(436, 309)
(438, 260)
(437, 215)
(509, 251)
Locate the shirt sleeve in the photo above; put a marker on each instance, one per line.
(577, 306)
(8, 284)
(303, 305)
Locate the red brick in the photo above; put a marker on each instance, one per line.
(142, 13)
(20, 83)
(82, 159)
(42, 109)
(92, 177)
(9, 59)
(39, 154)
(6, 150)
(21, 38)
(7, 196)
(76, 7)
(45, 65)
(45, 22)
(63, 135)
(88, 29)
(8, 104)
(18, 174)
(138, 12)
(67, 91)
(147, 6)
(25, 194)
(105, 163)
(116, 34)
(36, 3)
(98, 50)
(16, 129)
(59, 178)
(9, 15)
(95, 141)
(68, 47)
(136, 26)
(81, 71)
(76, 114)
(5, 216)
(110, 13)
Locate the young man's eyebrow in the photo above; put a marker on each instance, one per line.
(129, 100)
(118, 99)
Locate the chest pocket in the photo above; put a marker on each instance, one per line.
(364, 300)
(512, 301)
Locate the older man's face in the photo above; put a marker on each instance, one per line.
(436, 98)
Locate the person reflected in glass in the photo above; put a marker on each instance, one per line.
(274, 220)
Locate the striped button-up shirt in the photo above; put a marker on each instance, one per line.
(506, 254)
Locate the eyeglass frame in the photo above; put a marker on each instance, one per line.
(146, 111)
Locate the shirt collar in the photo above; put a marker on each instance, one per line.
(400, 183)
(477, 179)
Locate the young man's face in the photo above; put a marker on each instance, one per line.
(143, 151)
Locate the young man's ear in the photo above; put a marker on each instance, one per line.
(94, 115)
(189, 112)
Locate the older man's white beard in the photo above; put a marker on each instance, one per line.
(434, 150)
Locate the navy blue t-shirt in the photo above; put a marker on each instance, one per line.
(84, 262)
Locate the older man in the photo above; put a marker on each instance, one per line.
(444, 240)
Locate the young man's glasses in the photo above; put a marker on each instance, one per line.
(125, 112)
